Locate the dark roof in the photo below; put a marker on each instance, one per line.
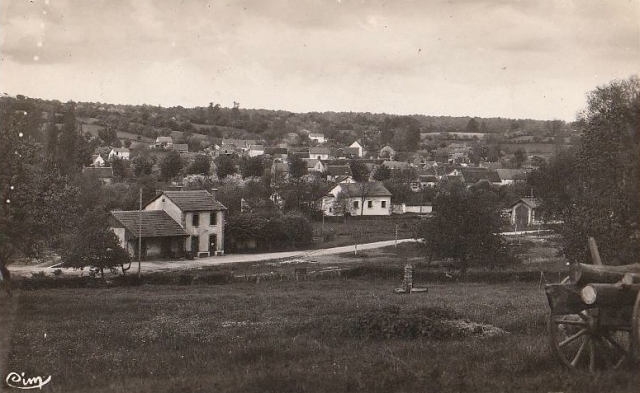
(155, 223)
(532, 202)
(105, 172)
(191, 201)
(370, 189)
(474, 175)
(338, 170)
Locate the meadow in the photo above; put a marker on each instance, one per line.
(336, 335)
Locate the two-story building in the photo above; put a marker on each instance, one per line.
(173, 223)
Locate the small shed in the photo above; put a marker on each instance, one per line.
(523, 212)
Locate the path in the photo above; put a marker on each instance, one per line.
(183, 264)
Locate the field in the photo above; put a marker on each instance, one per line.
(340, 232)
(345, 334)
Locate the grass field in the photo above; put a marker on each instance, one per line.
(339, 232)
(339, 335)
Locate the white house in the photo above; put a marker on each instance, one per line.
(173, 223)
(256, 150)
(314, 136)
(314, 165)
(163, 142)
(366, 199)
(121, 153)
(358, 146)
(98, 161)
(319, 153)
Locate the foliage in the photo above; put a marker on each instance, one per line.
(252, 166)
(37, 200)
(269, 230)
(170, 165)
(382, 173)
(226, 166)
(297, 167)
(594, 189)
(201, 165)
(93, 244)
(465, 227)
(142, 165)
(605, 205)
(359, 170)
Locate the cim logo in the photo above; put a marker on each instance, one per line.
(19, 381)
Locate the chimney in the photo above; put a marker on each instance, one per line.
(214, 192)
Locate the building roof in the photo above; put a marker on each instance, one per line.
(511, 174)
(155, 223)
(120, 150)
(531, 202)
(396, 165)
(316, 135)
(474, 175)
(190, 201)
(311, 162)
(164, 139)
(102, 172)
(181, 147)
(369, 189)
(319, 150)
(280, 167)
(338, 170)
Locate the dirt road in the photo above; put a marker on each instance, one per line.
(164, 265)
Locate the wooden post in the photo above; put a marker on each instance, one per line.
(595, 255)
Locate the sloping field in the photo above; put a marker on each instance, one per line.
(338, 335)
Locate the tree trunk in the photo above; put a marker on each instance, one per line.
(582, 273)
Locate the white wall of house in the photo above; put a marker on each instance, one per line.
(417, 209)
(359, 147)
(373, 206)
(207, 230)
(166, 204)
(317, 137)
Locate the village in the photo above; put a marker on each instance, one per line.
(320, 196)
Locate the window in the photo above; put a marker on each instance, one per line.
(214, 219)
(355, 204)
(330, 210)
(383, 204)
(195, 219)
(369, 204)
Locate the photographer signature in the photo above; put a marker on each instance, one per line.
(19, 381)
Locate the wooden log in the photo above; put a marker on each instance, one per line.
(630, 279)
(595, 254)
(564, 299)
(609, 295)
(582, 273)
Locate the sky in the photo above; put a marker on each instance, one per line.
(482, 58)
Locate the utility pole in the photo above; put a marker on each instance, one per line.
(140, 234)
(396, 243)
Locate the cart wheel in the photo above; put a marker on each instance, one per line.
(636, 328)
(583, 344)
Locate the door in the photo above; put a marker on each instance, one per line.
(213, 246)
(195, 245)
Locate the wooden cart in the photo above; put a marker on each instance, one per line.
(594, 324)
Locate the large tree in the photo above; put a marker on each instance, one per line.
(38, 203)
(93, 244)
(605, 205)
(170, 165)
(465, 227)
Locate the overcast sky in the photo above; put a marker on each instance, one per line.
(507, 58)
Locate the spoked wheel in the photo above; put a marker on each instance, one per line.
(584, 343)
